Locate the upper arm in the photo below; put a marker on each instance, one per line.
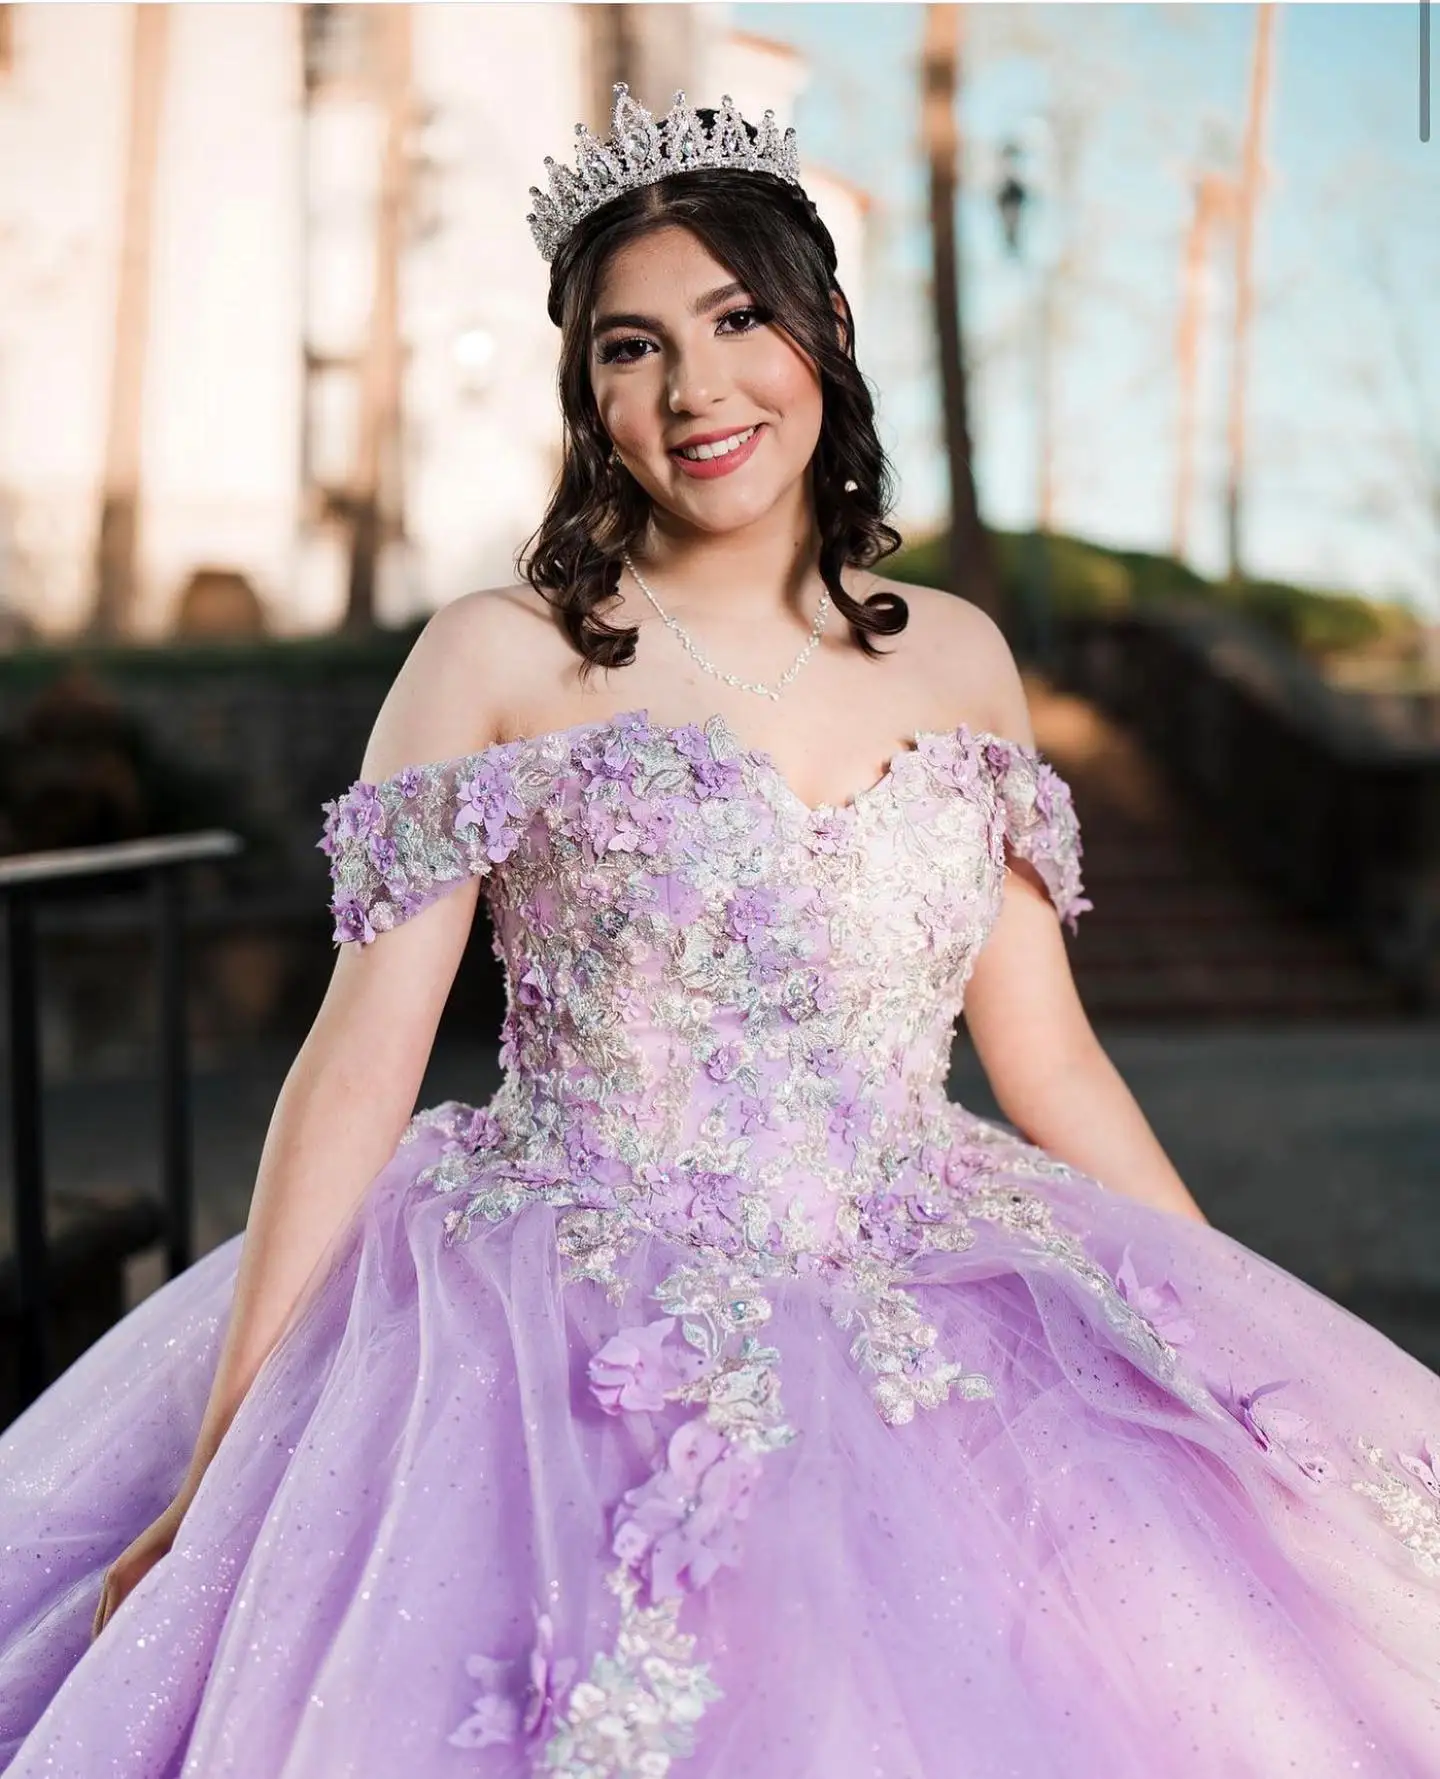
(1022, 1009)
(1021, 1005)
(977, 676)
(384, 1000)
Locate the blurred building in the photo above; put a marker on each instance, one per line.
(273, 345)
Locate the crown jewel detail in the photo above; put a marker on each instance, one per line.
(643, 149)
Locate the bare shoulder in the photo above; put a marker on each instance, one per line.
(450, 697)
(487, 619)
(963, 654)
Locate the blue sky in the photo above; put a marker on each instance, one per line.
(1344, 396)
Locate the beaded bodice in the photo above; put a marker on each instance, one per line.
(720, 1001)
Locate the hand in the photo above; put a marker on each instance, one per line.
(135, 1562)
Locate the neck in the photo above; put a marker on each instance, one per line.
(765, 569)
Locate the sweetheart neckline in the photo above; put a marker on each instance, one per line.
(762, 757)
(1041, 821)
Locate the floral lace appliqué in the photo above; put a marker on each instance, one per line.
(1038, 824)
(395, 847)
(636, 1710)
(896, 1344)
(1412, 1513)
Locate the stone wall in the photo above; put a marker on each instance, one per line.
(256, 737)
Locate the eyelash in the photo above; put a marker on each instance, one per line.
(608, 353)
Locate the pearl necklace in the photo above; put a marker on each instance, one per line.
(822, 611)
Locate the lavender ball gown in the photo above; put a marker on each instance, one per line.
(721, 1400)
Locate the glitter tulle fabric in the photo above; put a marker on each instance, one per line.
(719, 1400)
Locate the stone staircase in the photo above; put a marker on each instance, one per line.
(1177, 932)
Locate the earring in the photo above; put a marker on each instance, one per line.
(850, 487)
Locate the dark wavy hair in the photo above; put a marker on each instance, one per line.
(770, 236)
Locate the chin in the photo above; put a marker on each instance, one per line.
(736, 517)
(716, 508)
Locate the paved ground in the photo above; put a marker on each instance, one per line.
(1317, 1146)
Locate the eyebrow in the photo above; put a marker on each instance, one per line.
(701, 306)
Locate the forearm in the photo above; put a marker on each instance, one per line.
(1080, 1110)
(335, 1124)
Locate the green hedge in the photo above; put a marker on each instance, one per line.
(1088, 580)
(1085, 579)
(79, 765)
(1320, 622)
(308, 659)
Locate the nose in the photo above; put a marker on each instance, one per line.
(696, 381)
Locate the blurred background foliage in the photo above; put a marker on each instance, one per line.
(1090, 580)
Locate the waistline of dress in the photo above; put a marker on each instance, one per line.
(897, 1200)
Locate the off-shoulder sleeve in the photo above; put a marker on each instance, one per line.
(397, 846)
(1039, 822)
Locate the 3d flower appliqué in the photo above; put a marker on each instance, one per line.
(1424, 1466)
(636, 1370)
(678, 1528)
(517, 1697)
(1159, 1303)
(1275, 1428)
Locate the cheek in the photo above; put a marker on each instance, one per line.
(631, 405)
(790, 386)
(620, 416)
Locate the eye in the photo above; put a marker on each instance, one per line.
(757, 316)
(617, 351)
(609, 352)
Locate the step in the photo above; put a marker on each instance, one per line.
(1177, 930)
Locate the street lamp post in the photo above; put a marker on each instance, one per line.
(1013, 201)
(1011, 196)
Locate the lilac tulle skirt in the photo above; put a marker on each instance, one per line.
(401, 1560)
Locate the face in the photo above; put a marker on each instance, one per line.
(680, 355)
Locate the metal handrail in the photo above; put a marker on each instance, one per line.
(24, 880)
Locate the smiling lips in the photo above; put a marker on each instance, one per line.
(718, 456)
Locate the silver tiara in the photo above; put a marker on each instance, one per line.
(642, 150)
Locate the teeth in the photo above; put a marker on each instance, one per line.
(721, 447)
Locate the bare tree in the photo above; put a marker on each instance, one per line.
(1247, 200)
(1214, 207)
(1397, 474)
(972, 566)
(1086, 72)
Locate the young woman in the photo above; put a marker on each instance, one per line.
(719, 1398)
